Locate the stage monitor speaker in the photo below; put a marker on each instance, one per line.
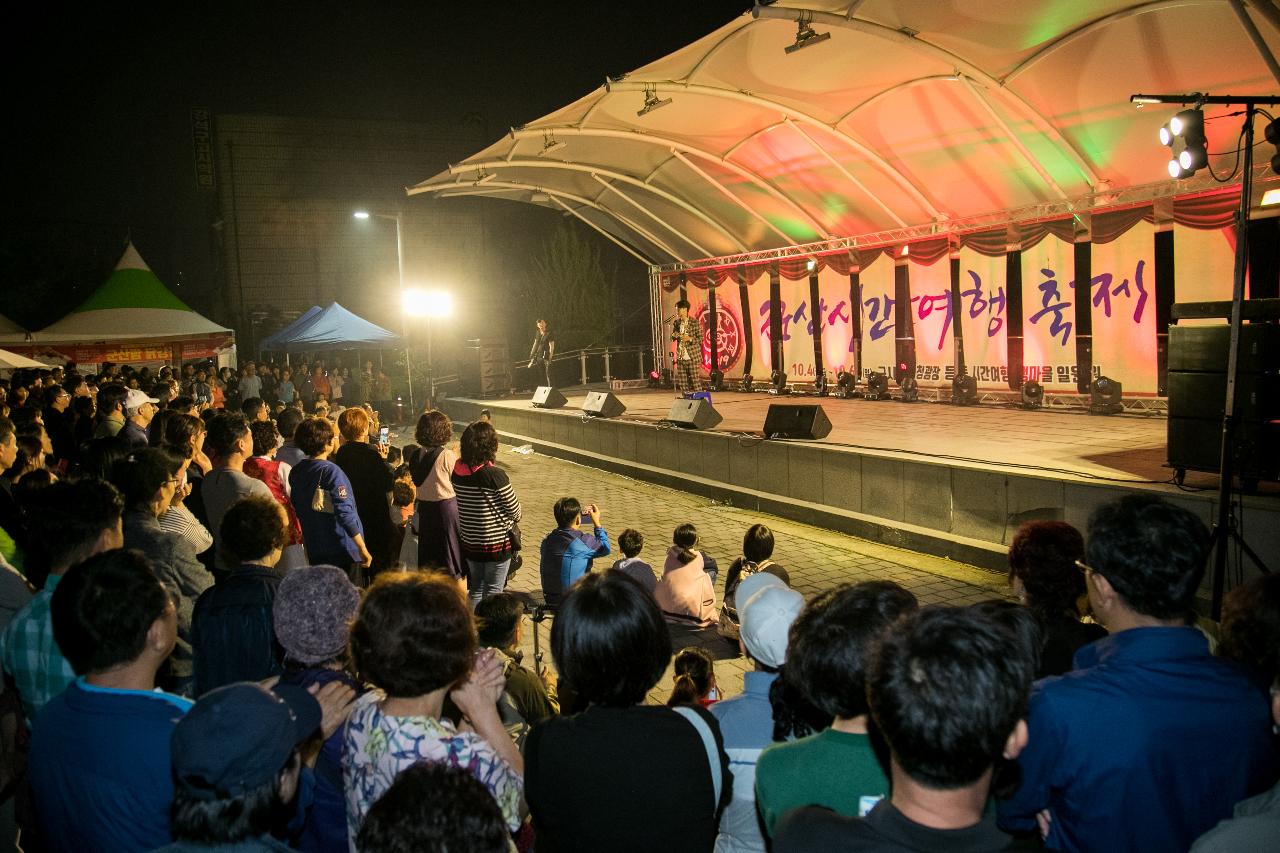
(547, 397)
(602, 404)
(694, 414)
(804, 422)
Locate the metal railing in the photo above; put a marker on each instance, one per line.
(631, 361)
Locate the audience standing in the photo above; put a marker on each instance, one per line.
(439, 542)
(488, 512)
(434, 808)
(231, 444)
(139, 410)
(371, 483)
(322, 497)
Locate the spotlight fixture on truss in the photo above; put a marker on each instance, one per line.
(651, 102)
(845, 383)
(550, 144)
(1184, 137)
(806, 36)
(485, 177)
(747, 382)
(964, 390)
(1105, 396)
(909, 388)
(1032, 395)
(820, 384)
(715, 380)
(778, 379)
(877, 387)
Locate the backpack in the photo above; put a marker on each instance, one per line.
(729, 626)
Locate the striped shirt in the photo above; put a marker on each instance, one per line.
(487, 511)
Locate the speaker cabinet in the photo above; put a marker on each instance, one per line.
(804, 422)
(547, 397)
(602, 404)
(484, 370)
(694, 414)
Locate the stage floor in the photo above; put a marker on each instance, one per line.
(1057, 443)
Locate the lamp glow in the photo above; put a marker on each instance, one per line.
(1270, 198)
(427, 303)
(361, 214)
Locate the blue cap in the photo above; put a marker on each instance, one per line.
(237, 738)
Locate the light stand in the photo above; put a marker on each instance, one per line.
(1225, 530)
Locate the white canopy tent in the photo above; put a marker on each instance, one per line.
(912, 118)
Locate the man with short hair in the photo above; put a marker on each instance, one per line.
(250, 382)
(255, 409)
(11, 521)
(139, 409)
(1150, 740)
(229, 443)
(99, 764)
(287, 423)
(567, 551)
(528, 698)
(949, 695)
(74, 520)
(111, 417)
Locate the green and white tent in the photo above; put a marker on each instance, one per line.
(132, 304)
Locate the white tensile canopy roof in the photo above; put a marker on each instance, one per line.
(913, 117)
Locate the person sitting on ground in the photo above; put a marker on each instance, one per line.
(74, 520)
(232, 630)
(769, 607)
(757, 556)
(266, 467)
(237, 767)
(694, 678)
(1044, 577)
(149, 478)
(631, 543)
(611, 647)
(230, 444)
(567, 551)
(99, 760)
(414, 640)
(950, 698)
(139, 410)
(1250, 637)
(528, 698)
(324, 503)
(1123, 724)
(687, 586)
(832, 643)
(434, 808)
(313, 611)
(289, 453)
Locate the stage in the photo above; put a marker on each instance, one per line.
(954, 481)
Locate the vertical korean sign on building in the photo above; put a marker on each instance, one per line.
(202, 141)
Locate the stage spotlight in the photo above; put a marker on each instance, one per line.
(655, 379)
(716, 380)
(651, 102)
(1184, 136)
(910, 390)
(964, 390)
(1272, 134)
(778, 379)
(806, 35)
(1032, 395)
(1105, 396)
(747, 382)
(877, 387)
(845, 383)
(820, 384)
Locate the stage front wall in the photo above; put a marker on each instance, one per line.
(1121, 290)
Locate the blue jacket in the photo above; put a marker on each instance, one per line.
(1146, 745)
(328, 536)
(567, 556)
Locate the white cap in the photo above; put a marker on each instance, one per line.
(135, 398)
(766, 609)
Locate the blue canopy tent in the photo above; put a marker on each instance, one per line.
(301, 322)
(333, 328)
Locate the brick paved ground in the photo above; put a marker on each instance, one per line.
(817, 559)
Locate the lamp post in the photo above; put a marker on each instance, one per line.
(404, 326)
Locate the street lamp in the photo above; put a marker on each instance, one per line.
(404, 329)
(429, 304)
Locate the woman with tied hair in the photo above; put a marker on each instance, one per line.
(148, 478)
(439, 545)
(414, 640)
(1044, 576)
(694, 678)
(611, 646)
(488, 512)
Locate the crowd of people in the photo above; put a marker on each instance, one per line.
(239, 619)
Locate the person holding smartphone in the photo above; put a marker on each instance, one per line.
(372, 483)
(568, 550)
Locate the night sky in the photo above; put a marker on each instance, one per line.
(90, 90)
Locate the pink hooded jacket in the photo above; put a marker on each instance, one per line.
(685, 589)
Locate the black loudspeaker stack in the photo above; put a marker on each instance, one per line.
(803, 422)
(547, 397)
(694, 414)
(602, 404)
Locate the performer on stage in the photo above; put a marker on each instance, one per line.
(543, 350)
(686, 333)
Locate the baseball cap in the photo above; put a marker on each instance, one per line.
(766, 609)
(135, 398)
(237, 737)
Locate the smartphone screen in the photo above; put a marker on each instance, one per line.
(586, 517)
(384, 434)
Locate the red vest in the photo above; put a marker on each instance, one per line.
(268, 471)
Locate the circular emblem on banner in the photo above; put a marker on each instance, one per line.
(729, 338)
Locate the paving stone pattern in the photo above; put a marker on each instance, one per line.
(817, 559)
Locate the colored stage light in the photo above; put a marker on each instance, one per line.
(845, 383)
(1032, 395)
(778, 379)
(655, 379)
(1184, 135)
(1105, 396)
(877, 387)
(910, 390)
(964, 390)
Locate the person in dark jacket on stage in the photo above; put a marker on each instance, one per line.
(233, 632)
